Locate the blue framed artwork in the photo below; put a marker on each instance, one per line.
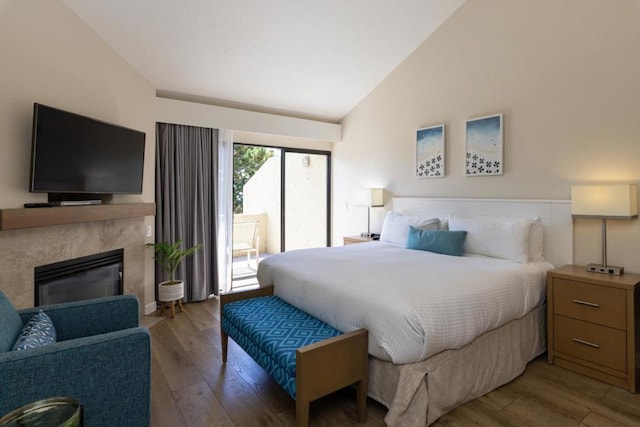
(485, 146)
(430, 152)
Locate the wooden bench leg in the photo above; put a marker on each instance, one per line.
(302, 413)
(361, 397)
(328, 366)
(224, 339)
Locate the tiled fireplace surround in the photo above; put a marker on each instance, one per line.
(24, 249)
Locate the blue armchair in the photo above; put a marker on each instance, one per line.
(102, 358)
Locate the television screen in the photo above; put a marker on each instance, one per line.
(76, 154)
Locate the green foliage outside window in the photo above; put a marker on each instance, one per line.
(246, 162)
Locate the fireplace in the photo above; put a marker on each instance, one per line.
(92, 276)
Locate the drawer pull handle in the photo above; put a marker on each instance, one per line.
(590, 304)
(590, 344)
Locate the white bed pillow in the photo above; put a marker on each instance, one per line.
(444, 223)
(395, 229)
(495, 237)
(536, 240)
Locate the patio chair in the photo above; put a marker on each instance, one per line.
(246, 240)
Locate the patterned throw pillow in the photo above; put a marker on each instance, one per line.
(38, 332)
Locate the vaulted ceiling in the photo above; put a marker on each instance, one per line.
(307, 58)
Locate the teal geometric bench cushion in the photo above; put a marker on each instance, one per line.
(270, 330)
(275, 371)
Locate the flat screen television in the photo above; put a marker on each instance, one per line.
(76, 155)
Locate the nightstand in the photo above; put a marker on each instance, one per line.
(592, 322)
(349, 240)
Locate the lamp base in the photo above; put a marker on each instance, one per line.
(372, 236)
(605, 269)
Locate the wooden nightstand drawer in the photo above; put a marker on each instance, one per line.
(593, 343)
(596, 304)
(593, 324)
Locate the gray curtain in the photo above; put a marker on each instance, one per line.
(186, 164)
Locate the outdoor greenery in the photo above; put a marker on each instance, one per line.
(246, 161)
(170, 255)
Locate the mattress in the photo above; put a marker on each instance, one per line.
(413, 303)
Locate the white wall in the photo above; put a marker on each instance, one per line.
(261, 195)
(565, 76)
(305, 200)
(48, 55)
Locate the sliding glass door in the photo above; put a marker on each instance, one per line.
(281, 199)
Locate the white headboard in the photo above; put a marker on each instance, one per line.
(555, 214)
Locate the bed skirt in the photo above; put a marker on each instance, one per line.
(417, 394)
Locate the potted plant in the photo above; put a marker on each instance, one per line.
(170, 256)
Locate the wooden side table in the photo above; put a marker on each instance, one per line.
(593, 322)
(350, 240)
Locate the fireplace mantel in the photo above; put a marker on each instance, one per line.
(15, 219)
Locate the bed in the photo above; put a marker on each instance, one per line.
(443, 329)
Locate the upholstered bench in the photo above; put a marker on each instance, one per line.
(304, 355)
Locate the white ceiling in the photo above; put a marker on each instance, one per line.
(310, 58)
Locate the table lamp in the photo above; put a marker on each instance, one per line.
(604, 202)
(371, 198)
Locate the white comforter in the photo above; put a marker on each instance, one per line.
(413, 303)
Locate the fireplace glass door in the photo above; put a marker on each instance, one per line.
(94, 276)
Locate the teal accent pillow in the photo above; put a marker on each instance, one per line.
(438, 241)
(38, 332)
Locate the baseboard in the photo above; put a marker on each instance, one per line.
(150, 308)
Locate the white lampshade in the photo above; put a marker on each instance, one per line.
(371, 197)
(604, 201)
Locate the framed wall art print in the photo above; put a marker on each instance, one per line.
(430, 152)
(485, 146)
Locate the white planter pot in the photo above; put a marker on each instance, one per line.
(168, 291)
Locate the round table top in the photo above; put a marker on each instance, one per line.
(55, 411)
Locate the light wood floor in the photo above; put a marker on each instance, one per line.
(191, 387)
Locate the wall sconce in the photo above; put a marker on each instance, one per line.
(371, 198)
(604, 202)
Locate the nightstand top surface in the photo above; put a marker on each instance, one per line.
(358, 238)
(578, 272)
